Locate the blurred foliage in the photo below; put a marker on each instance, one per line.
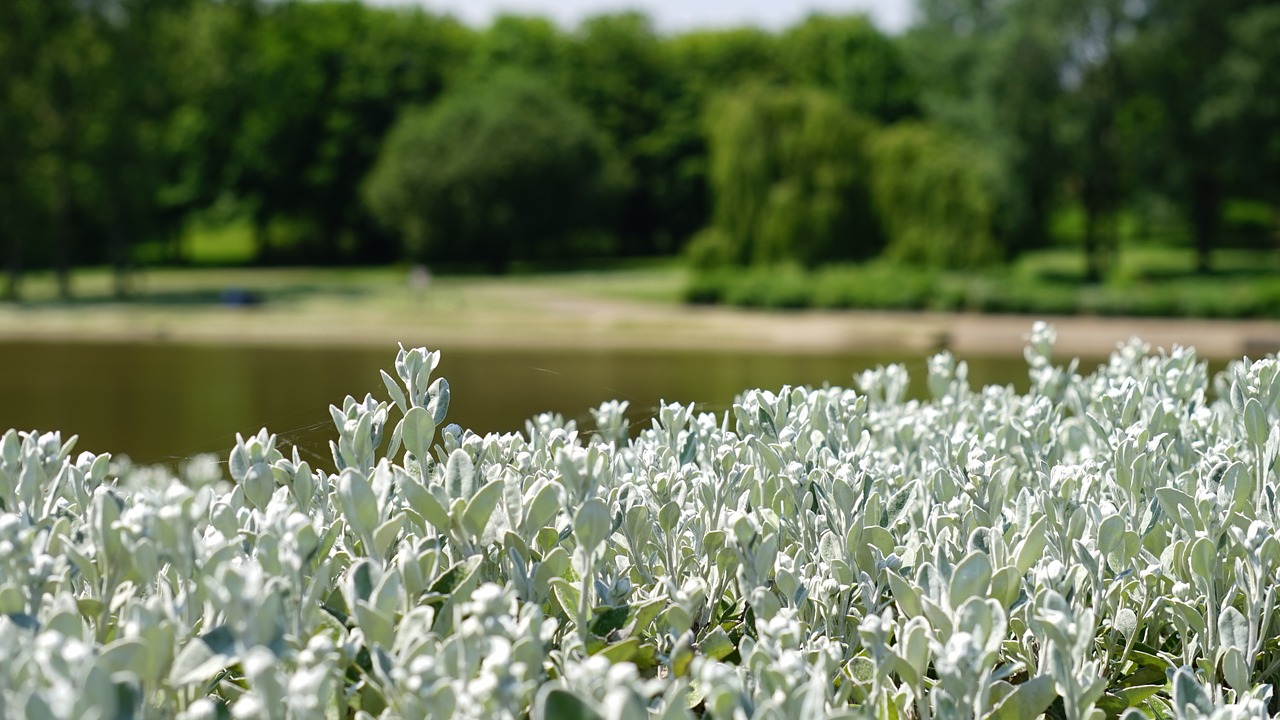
(501, 170)
(854, 60)
(1146, 285)
(789, 174)
(984, 131)
(933, 193)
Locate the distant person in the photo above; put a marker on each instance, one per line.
(419, 280)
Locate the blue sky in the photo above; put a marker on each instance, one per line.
(676, 15)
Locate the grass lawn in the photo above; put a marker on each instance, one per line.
(177, 287)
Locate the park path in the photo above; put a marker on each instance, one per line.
(529, 314)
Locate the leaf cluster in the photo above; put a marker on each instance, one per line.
(1103, 545)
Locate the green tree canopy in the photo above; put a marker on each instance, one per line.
(933, 192)
(492, 172)
(850, 57)
(618, 72)
(325, 83)
(789, 178)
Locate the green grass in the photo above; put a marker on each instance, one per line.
(373, 286)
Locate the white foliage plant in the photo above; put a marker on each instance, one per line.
(1101, 546)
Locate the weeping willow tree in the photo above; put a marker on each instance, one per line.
(932, 192)
(788, 175)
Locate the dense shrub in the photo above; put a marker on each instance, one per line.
(897, 288)
(888, 286)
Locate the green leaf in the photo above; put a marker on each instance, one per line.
(592, 524)
(1171, 499)
(1233, 629)
(1204, 558)
(716, 644)
(438, 404)
(970, 578)
(459, 475)
(1027, 700)
(1236, 669)
(421, 501)
(417, 432)
(567, 594)
(622, 651)
(123, 654)
(378, 629)
(610, 619)
(204, 656)
(899, 505)
(905, 594)
(1031, 549)
(37, 709)
(1255, 422)
(397, 395)
(453, 578)
(1188, 691)
(643, 615)
(386, 534)
(359, 504)
(1005, 585)
(555, 703)
(481, 507)
(543, 509)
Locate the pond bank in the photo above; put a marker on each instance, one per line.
(536, 314)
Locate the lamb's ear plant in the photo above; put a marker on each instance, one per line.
(1104, 545)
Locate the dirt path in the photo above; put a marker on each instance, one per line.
(521, 314)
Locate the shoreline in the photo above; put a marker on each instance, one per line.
(566, 322)
(627, 310)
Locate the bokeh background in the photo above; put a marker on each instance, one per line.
(232, 174)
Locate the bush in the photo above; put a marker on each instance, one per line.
(814, 552)
(874, 287)
(784, 286)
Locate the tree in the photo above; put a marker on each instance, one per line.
(1195, 63)
(324, 85)
(991, 72)
(706, 63)
(49, 52)
(789, 178)
(1244, 107)
(850, 57)
(503, 170)
(932, 193)
(532, 44)
(619, 72)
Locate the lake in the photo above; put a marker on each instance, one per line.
(161, 403)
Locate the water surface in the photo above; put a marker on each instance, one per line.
(166, 402)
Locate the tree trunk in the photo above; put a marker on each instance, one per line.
(1092, 245)
(261, 237)
(13, 267)
(62, 235)
(119, 261)
(1206, 215)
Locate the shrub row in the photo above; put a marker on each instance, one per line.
(889, 287)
